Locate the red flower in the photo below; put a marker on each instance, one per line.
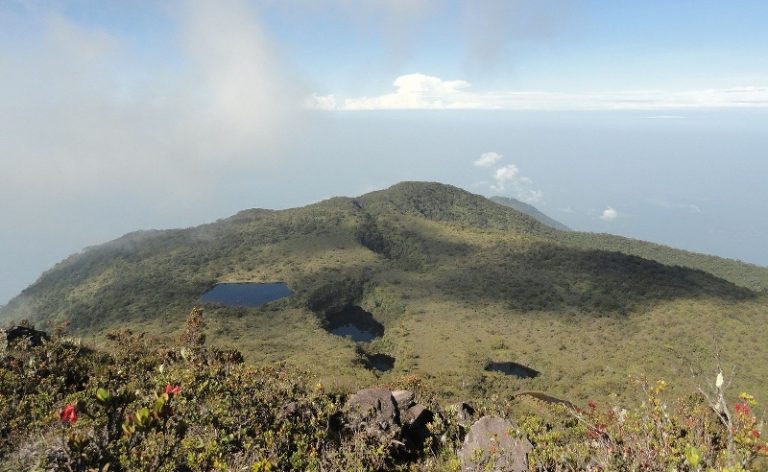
(592, 405)
(742, 409)
(172, 390)
(755, 433)
(68, 414)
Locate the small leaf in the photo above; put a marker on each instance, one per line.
(102, 395)
(142, 416)
(160, 403)
(692, 456)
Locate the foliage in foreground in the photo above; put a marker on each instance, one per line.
(188, 407)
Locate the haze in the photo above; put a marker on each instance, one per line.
(644, 119)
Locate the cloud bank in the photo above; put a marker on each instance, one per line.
(75, 123)
(424, 92)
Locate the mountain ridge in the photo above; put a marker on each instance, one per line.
(415, 255)
(430, 200)
(530, 210)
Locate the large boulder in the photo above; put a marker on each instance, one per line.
(416, 420)
(403, 399)
(374, 413)
(17, 334)
(491, 444)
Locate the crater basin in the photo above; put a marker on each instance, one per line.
(354, 322)
(379, 362)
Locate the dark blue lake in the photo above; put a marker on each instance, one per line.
(354, 322)
(250, 295)
(512, 368)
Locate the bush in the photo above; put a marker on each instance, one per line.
(189, 407)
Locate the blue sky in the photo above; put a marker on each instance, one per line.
(646, 119)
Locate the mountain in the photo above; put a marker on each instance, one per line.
(531, 211)
(455, 281)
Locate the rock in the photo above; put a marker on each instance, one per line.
(465, 413)
(416, 429)
(411, 414)
(492, 445)
(373, 412)
(13, 335)
(296, 411)
(403, 399)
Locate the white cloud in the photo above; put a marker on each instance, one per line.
(416, 91)
(507, 179)
(320, 102)
(488, 159)
(82, 115)
(529, 195)
(504, 175)
(609, 214)
(98, 138)
(248, 93)
(424, 92)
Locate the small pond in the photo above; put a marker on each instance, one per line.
(512, 368)
(250, 295)
(379, 362)
(354, 322)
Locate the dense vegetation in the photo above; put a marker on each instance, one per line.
(457, 281)
(183, 406)
(530, 210)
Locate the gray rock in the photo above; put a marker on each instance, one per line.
(491, 445)
(373, 412)
(403, 399)
(416, 429)
(411, 414)
(465, 413)
(17, 334)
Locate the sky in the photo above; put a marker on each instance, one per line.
(645, 119)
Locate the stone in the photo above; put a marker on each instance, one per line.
(416, 429)
(465, 413)
(16, 334)
(492, 445)
(373, 412)
(403, 399)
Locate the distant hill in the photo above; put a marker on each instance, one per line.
(530, 210)
(455, 279)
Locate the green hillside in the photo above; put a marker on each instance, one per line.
(530, 210)
(456, 279)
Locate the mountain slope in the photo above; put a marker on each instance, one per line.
(530, 210)
(455, 279)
